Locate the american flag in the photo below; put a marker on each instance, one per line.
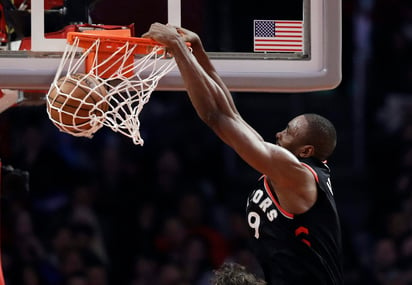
(278, 36)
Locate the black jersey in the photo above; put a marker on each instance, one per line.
(297, 249)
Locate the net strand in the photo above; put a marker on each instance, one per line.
(128, 85)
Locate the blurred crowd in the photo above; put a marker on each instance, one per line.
(105, 211)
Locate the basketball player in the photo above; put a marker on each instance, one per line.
(291, 212)
(230, 273)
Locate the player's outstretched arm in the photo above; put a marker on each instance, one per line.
(214, 105)
(207, 94)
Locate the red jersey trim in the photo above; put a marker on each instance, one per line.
(281, 210)
(311, 170)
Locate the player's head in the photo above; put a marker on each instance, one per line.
(234, 274)
(308, 135)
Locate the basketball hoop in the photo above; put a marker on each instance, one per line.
(129, 68)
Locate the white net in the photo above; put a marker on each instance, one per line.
(80, 105)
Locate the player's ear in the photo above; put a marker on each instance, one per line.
(306, 151)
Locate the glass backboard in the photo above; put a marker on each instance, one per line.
(267, 46)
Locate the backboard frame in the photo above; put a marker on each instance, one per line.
(35, 69)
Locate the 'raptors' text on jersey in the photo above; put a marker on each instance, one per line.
(297, 249)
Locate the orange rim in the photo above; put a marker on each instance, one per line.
(111, 43)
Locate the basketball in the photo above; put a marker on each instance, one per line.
(74, 100)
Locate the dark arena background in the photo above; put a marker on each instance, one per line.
(104, 211)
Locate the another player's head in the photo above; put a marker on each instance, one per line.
(234, 274)
(308, 135)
